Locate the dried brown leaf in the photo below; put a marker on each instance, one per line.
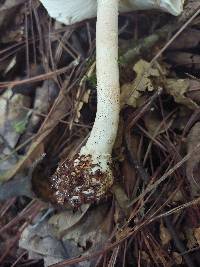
(92, 229)
(197, 235)
(194, 90)
(185, 59)
(57, 112)
(63, 221)
(190, 38)
(154, 123)
(131, 92)
(129, 176)
(165, 235)
(178, 89)
(177, 258)
(190, 238)
(193, 164)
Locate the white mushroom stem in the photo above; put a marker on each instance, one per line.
(103, 134)
(104, 130)
(89, 175)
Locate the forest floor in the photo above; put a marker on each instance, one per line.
(151, 216)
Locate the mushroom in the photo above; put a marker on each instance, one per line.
(88, 177)
(72, 11)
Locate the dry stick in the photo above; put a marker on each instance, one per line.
(76, 260)
(178, 243)
(33, 137)
(32, 41)
(37, 78)
(137, 228)
(9, 247)
(6, 206)
(142, 45)
(6, 6)
(153, 187)
(23, 214)
(34, 209)
(180, 246)
(165, 176)
(176, 209)
(109, 247)
(19, 258)
(27, 42)
(32, 33)
(19, 147)
(148, 42)
(132, 157)
(174, 37)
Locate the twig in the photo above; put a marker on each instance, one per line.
(143, 45)
(179, 244)
(166, 175)
(38, 77)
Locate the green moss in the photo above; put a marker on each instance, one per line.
(20, 126)
(92, 80)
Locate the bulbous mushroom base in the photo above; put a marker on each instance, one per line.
(85, 179)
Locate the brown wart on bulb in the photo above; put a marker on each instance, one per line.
(88, 177)
(81, 181)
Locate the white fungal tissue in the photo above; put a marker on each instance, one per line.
(72, 11)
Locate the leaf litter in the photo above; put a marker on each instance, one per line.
(151, 217)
